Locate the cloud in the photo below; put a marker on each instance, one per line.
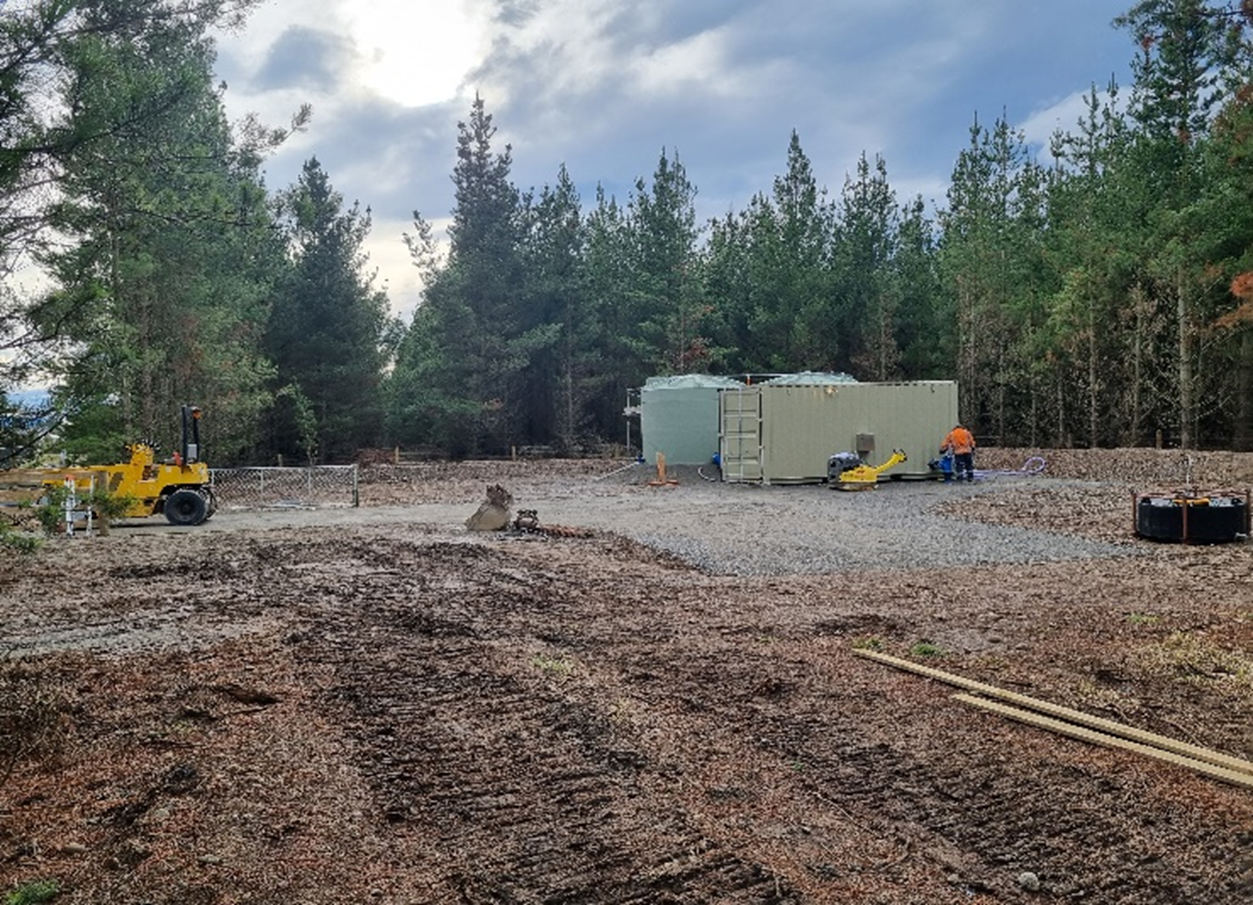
(390, 258)
(390, 158)
(1064, 116)
(734, 78)
(417, 53)
(304, 57)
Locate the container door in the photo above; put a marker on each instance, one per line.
(739, 438)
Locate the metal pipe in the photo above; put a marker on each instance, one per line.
(1033, 466)
(1235, 777)
(1195, 752)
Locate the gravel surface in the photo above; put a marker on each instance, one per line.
(749, 530)
(744, 529)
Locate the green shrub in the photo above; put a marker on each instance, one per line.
(51, 510)
(33, 893)
(107, 507)
(18, 541)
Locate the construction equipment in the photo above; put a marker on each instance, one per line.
(848, 471)
(180, 487)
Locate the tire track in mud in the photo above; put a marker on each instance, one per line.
(504, 780)
(1090, 824)
(512, 780)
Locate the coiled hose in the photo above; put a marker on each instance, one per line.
(1033, 466)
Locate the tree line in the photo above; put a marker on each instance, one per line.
(1099, 295)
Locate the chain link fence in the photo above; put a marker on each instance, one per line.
(313, 487)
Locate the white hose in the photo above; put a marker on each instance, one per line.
(619, 470)
(1033, 466)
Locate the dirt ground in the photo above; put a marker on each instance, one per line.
(379, 706)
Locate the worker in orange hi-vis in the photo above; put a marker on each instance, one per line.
(961, 444)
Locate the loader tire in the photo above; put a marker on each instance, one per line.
(185, 507)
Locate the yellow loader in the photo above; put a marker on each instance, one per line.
(180, 487)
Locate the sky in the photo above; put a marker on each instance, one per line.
(606, 86)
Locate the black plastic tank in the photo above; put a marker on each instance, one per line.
(1193, 519)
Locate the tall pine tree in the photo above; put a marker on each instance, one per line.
(328, 328)
(161, 292)
(461, 375)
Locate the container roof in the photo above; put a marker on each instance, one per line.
(810, 379)
(690, 381)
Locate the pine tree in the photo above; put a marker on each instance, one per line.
(665, 281)
(1185, 52)
(1230, 161)
(925, 325)
(61, 82)
(866, 235)
(161, 291)
(328, 326)
(561, 372)
(607, 289)
(460, 373)
(769, 271)
(988, 256)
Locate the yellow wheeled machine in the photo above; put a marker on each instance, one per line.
(180, 487)
(847, 471)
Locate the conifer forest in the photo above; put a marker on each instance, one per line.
(1095, 293)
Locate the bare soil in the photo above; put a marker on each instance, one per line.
(376, 705)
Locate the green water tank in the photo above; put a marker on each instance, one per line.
(679, 417)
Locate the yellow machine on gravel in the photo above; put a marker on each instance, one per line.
(847, 471)
(179, 487)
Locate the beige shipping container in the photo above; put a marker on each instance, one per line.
(780, 433)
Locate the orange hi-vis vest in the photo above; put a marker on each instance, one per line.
(960, 441)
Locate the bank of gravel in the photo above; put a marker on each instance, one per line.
(769, 531)
(752, 530)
